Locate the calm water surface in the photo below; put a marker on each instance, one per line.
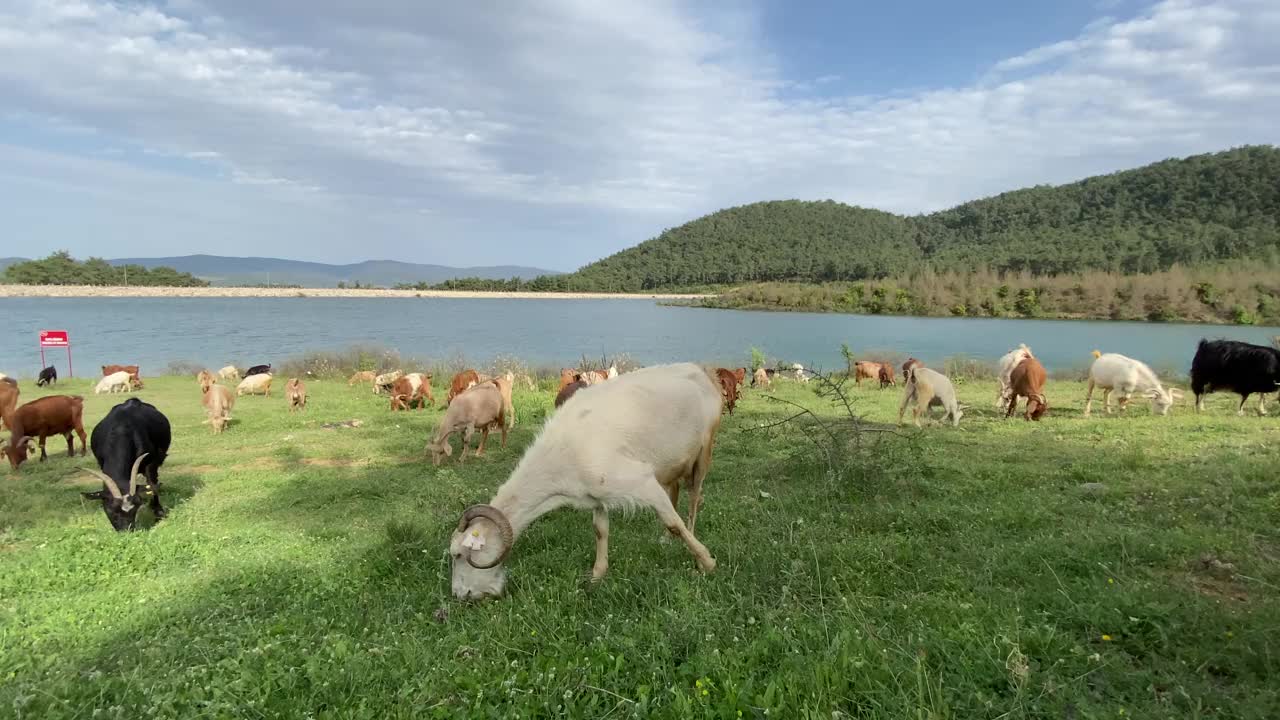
(215, 331)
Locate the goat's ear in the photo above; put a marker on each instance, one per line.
(95, 495)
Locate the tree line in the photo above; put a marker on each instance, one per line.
(62, 269)
(1239, 293)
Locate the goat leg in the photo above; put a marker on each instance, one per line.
(651, 493)
(600, 520)
(156, 508)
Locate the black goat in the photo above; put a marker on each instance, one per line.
(48, 376)
(1236, 366)
(130, 444)
(258, 370)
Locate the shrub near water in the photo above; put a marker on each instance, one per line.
(961, 573)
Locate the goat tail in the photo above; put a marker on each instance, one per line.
(1096, 354)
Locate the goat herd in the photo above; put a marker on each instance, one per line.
(626, 441)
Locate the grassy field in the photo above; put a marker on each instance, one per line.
(949, 573)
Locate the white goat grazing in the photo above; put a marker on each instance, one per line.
(384, 381)
(115, 382)
(229, 373)
(218, 402)
(928, 388)
(255, 384)
(1124, 375)
(629, 442)
(1006, 366)
(760, 378)
(800, 373)
(479, 406)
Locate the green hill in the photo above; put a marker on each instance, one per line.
(1196, 211)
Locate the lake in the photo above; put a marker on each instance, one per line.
(215, 331)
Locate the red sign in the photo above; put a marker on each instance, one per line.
(54, 338)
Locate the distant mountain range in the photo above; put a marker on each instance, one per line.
(224, 271)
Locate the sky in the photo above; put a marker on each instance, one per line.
(556, 132)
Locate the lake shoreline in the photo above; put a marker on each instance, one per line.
(90, 291)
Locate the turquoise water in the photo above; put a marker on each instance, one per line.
(212, 332)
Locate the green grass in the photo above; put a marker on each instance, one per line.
(951, 573)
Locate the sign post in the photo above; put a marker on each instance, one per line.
(54, 339)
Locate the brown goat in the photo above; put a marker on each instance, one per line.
(53, 415)
(460, 383)
(8, 399)
(205, 378)
(728, 387)
(404, 396)
(363, 376)
(886, 376)
(906, 367)
(424, 385)
(865, 369)
(134, 378)
(295, 392)
(568, 377)
(567, 391)
(1027, 381)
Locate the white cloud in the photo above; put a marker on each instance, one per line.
(611, 120)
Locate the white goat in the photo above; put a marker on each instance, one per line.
(255, 384)
(800, 373)
(218, 402)
(928, 388)
(1124, 375)
(1006, 366)
(479, 406)
(229, 373)
(627, 443)
(384, 381)
(115, 382)
(760, 378)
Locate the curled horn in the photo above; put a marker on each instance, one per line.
(106, 480)
(133, 474)
(495, 516)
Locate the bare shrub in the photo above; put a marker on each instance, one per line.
(182, 367)
(963, 367)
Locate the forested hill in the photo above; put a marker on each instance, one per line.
(1194, 211)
